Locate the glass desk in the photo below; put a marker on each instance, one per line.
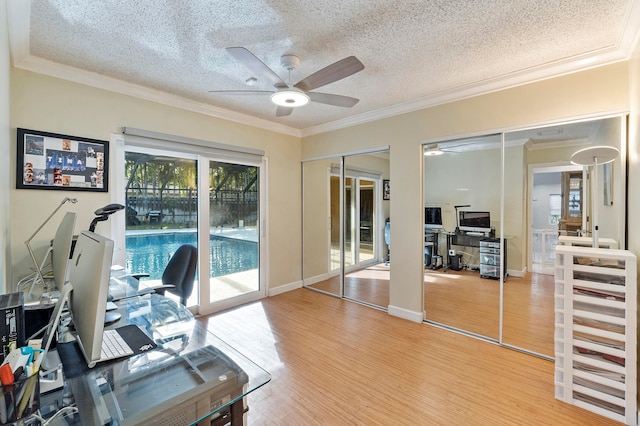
(191, 376)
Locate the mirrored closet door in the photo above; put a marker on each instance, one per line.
(461, 177)
(557, 209)
(344, 216)
(321, 215)
(366, 277)
(547, 201)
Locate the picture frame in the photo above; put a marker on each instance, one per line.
(386, 189)
(54, 161)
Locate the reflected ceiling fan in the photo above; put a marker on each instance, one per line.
(441, 148)
(287, 97)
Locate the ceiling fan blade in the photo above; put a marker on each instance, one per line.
(283, 111)
(243, 92)
(334, 72)
(256, 66)
(336, 100)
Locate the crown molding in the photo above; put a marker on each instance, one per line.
(88, 78)
(620, 52)
(18, 12)
(507, 81)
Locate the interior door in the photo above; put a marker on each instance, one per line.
(572, 204)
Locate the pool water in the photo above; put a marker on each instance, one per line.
(150, 253)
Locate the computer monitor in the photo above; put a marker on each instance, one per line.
(475, 221)
(89, 277)
(433, 217)
(51, 328)
(61, 249)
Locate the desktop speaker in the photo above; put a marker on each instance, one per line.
(11, 322)
(456, 262)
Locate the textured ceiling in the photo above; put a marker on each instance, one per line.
(415, 53)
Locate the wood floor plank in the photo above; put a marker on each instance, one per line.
(335, 362)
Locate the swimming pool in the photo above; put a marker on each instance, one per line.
(150, 253)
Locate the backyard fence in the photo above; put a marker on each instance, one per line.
(177, 208)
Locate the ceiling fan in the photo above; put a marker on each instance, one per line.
(442, 148)
(287, 97)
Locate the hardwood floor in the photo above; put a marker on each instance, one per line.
(463, 300)
(334, 362)
(370, 285)
(528, 318)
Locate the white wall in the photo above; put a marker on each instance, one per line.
(544, 184)
(633, 206)
(44, 103)
(316, 217)
(608, 215)
(599, 90)
(5, 235)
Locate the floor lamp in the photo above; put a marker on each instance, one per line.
(594, 156)
(28, 242)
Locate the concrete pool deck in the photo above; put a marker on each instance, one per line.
(247, 233)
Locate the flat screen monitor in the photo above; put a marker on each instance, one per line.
(89, 277)
(52, 327)
(61, 249)
(474, 221)
(433, 217)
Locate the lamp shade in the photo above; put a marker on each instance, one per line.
(595, 155)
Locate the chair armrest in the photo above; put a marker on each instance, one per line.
(159, 289)
(138, 276)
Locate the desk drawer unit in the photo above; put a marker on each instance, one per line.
(490, 258)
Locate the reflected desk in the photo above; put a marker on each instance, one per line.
(489, 251)
(192, 377)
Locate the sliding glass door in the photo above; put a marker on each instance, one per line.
(161, 212)
(234, 230)
(360, 221)
(179, 198)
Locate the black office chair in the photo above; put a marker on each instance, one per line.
(179, 274)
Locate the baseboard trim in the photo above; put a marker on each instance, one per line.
(284, 288)
(517, 273)
(318, 278)
(404, 313)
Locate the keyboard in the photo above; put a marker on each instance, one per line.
(113, 346)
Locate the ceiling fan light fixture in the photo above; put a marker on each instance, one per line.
(434, 150)
(290, 98)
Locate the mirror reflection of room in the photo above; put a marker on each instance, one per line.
(462, 185)
(344, 213)
(547, 201)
